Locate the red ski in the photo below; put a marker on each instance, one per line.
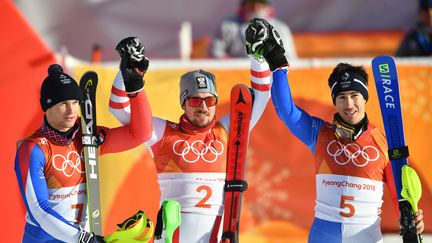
(240, 115)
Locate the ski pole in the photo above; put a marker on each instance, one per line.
(411, 192)
(169, 219)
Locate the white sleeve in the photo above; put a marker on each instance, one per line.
(261, 83)
(158, 129)
(224, 121)
(119, 104)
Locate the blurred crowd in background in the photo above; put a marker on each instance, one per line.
(191, 29)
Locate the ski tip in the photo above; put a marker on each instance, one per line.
(238, 86)
(241, 93)
(384, 65)
(241, 87)
(382, 59)
(89, 77)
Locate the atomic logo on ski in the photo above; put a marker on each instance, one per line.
(240, 98)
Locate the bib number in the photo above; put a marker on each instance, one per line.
(203, 202)
(347, 205)
(79, 207)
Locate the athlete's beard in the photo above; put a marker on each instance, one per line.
(201, 122)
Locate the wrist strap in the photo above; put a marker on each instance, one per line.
(276, 59)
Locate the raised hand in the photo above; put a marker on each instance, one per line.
(134, 63)
(263, 40)
(256, 33)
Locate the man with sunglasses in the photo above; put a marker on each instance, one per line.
(351, 163)
(190, 156)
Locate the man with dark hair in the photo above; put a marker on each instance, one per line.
(49, 165)
(190, 155)
(350, 154)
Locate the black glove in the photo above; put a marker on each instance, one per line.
(262, 40)
(133, 63)
(87, 237)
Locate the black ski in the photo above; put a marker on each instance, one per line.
(88, 84)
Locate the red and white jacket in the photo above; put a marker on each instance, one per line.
(191, 162)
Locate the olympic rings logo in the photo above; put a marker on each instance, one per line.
(66, 164)
(343, 154)
(191, 153)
